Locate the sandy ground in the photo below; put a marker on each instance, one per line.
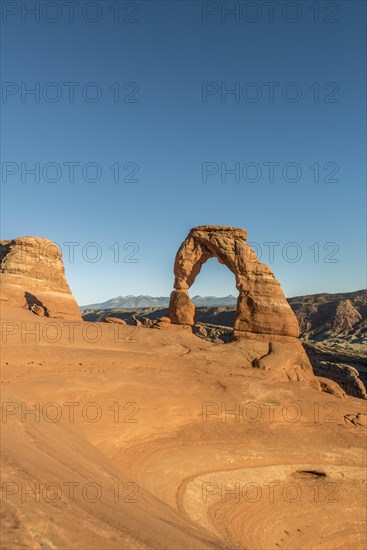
(142, 438)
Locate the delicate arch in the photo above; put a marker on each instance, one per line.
(261, 304)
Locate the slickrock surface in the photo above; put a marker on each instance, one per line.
(339, 356)
(171, 442)
(261, 306)
(32, 272)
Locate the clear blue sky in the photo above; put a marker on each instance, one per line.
(169, 52)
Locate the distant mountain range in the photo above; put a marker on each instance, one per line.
(141, 301)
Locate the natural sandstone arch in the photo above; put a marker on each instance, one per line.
(261, 305)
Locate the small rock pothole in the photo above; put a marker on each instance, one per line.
(310, 474)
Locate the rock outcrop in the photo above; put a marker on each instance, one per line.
(161, 322)
(329, 386)
(261, 305)
(38, 310)
(33, 274)
(345, 376)
(263, 313)
(115, 320)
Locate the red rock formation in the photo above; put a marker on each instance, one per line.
(261, 306)
(263, 313)
(115, 320)
(32, 273)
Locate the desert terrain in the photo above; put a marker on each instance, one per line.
(332, 327)
(207, 451)
(152, 437)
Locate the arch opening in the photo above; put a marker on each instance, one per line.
(214, 310)
(261, 304)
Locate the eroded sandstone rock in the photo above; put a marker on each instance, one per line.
(115, 320)
(358, 420)
(181, 308)
(329, 386)
(32, 274)
(136, 322)
(261, 306)
(345, 376)
(161, 323)
(38, 310)
(288, 361)
(263, 313)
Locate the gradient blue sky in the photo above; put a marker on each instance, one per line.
(169, 52)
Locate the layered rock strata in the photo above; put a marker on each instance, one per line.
(32, 273)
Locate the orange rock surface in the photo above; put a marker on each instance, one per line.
(261, 306)
(32, 272)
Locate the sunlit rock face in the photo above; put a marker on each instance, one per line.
(261, 306)
(32, 274)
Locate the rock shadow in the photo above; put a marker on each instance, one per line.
(32, 300)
